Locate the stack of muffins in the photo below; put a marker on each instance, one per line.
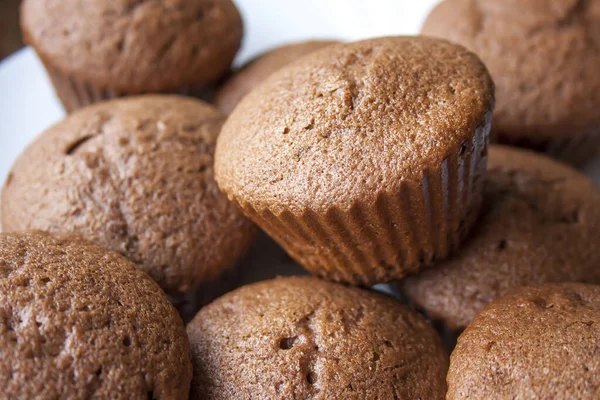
(367, 162)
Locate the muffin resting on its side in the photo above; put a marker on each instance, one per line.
(363, 160)
(544, 58)
(256, 71)
(538, 342)
(98, 50)
(306, 338)
(135, 175)
(540, 222)
(78, 321)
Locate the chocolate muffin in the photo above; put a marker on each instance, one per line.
(253, 73)
(544, 60)
(78, 321)
(135, 175)
(539, 342)
(363, 160)
(540, 222)
(105, 49)
(301, 338)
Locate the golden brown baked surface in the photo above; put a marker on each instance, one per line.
(78, 321)
(256, 71)
(135, 175)
(351, 121)
(540, 222)
(537, 342)
(543, 58)
(135, 46)
(307, 338)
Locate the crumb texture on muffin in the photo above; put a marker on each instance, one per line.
(537, 342)
(307, 338)
(78, 321)
(540, 222)
(135, 46)
(135, 175)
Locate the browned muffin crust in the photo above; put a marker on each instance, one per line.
(338, 125)
(540, 222)
(135, 46)
(539, 342)
(363, 159)
(306, 338)
(78, 321)
(256, 71)
(135, 175)
(544, 60)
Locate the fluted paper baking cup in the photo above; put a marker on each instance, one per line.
(397, 234)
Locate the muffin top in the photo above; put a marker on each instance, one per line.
(543, 57)
(539, 342)
(135, 175)
(78, 321)
(133, 45)
(302, 338)
(540, 222)
(350, 121)
(247, 78)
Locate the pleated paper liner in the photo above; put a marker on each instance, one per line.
(75, 94)
(396, 234)
(575, 149)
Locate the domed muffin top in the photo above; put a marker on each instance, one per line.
(351, 120)
(537, 342)
(138, 46)
(79, 321)
(543, 56)
(301, 337)
(135, 175)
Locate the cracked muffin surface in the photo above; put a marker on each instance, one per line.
(540, 222)
(537, 342)
(135, 175)
(302, 337)
(78, 321)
